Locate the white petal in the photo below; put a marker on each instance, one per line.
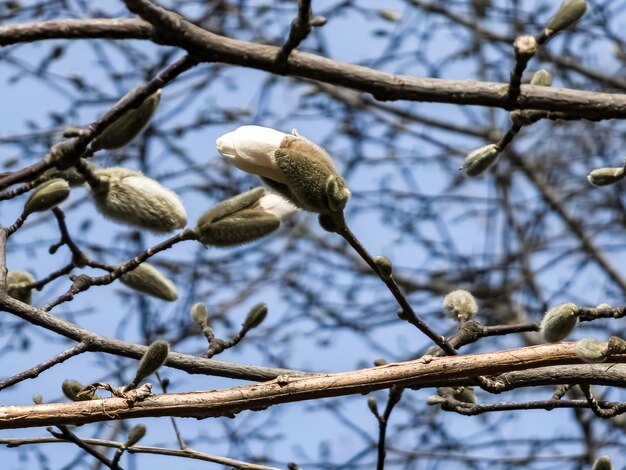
(251, 149)
(276, 205)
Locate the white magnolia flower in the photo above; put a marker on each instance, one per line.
(252, 148)
(277, 205)
(293, 166)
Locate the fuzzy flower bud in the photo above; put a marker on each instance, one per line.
(460, 305)
(295, 167)
(541, 78)
(17, 282)
(152, 359)
(37, 399)
(125, 128)
(71, 388)
(605, 176)
(591, 350)
(255, 317)
(243, 218)
(372, 405)
(558, 322)
(568, 13)
(379, 361)
(200, 314)
(149, 280)
(480, 160)
(129, 197)
(385, 268)
(135, 434)
(603, 463)
(47, 195)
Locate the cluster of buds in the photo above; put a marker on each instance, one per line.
(293, 166)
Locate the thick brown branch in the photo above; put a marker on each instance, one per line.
(425, 372)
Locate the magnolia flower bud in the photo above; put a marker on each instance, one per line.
(125, 128)
(541, 78)
(558, 322)
(200, 314)
(379, 361)
(129, 197)
(47, 195)
(17, 282)
(135, 434)
(605, 176)
(71, 388)
(372, 405)
(255, 317)
(37, 399)
(568, 13)
(603, 463)
(480, 160)
(151, 360)
(388, 14)
(318, 21)
(591, 350)
(292, 165)
(460, 305)
(385, 268)
(243, 218)
(149, 280)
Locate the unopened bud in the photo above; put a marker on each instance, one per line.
(135, 434)
(149, 280)
(465, 394)
(591, 350)
(125, 128)
(379, 362)
(255, 317)
(152, 359)
(372, 405)
(568, 13)
(17, 285)
(129, 197)
(37, 399)
(385, 267)
(603, 463)
(200, 314)
(558, 322)
(47, 195)
(460, 305)
(605, 176)
(318, 21)
(541, 78)
(388, 14)
(480, 160)
(71, 388)
(435, 400)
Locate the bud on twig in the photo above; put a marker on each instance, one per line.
(71, 388)
(541, 78)
(47, 195)
(152, 359)
(559, 322)
(460, 305)
(37, 399)
(200, 314)
(591, 350)
(480, 160)
(125, 128)
(17, 282)
(149, 280)
(603, 463)
(379, 362)
(385, 268)
(373, 406)
(135, 434)
(255, 317)
(568, 13)
(605, 176)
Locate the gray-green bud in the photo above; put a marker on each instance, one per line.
(37, 399)
(17, 285)
(47, 195)
(460, 305)
(379, 362)
(125, 128)
(255, 317)
(149, 280)
(135, 434)
(591, 350)
(480, 160)
(603, 463)
(388, 14)
(372, 405)
(558, 322)
(605, 176)
(541, 78)
(152, 359)
(385, 268)
(318, 21)
(71, 388)
(568, 13)
(200, 314)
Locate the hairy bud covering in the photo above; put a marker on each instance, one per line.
(591, 350)
(255, 317)
(605, 176)
(480, 160)
(460, 305)
(152, 359)
(17, 285)
(568, 14)
(47, 195)
(149, 280)
(558, 322)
